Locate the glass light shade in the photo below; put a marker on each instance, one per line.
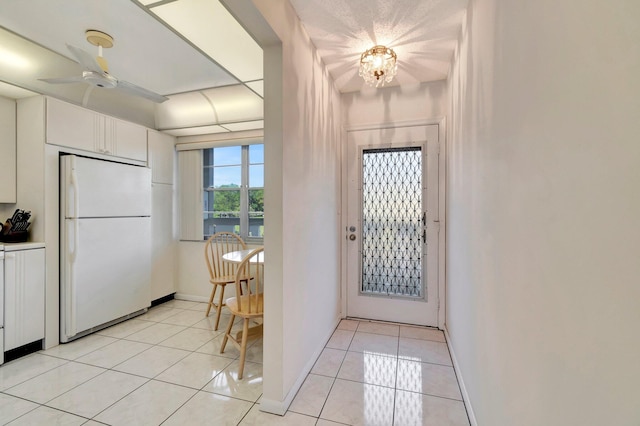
(378, 65)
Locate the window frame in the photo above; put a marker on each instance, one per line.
(244, 190)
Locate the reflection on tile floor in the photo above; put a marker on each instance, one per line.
(373, 373)
(164, 367)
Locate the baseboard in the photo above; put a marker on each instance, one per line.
(281, 407)
(161, 300)
(463, 388)
(272, 406)
(191, 298)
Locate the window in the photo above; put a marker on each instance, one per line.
(233, 186)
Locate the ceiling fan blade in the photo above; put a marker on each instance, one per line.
(139, 91)
(63, 80)
(85, 59)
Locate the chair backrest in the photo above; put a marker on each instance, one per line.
(218, 244)
(253, 264)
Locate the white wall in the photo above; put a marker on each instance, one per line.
(543, 305)
(301, 315)
(193, 275)
(394, 104)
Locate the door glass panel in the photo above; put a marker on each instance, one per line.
(391, 222)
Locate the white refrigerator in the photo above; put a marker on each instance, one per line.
(105, 243)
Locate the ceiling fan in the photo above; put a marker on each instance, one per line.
(96, 71)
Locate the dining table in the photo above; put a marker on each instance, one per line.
(239, 255)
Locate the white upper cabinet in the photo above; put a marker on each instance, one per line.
(7, 150)
(75, 127)
(161, 157)
(126, 139)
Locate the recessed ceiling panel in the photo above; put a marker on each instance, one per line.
(245, 125)
(194, 131)
(185, 110)
(25, 62)
(208, 25)
(228, 104)
(145, 52)
(13, 92)
(257, 86)
(235, 103)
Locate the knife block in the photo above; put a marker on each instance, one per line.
(14, 237)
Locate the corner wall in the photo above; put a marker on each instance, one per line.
(302, 200)
(543, 241)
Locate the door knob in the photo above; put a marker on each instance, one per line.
(352, 237)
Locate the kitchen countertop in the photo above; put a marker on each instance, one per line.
(21, 246)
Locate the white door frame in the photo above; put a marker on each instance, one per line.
(441, 122)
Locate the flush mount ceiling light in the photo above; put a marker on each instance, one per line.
(378, 65)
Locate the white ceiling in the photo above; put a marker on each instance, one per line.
(423, 33)
(192, 50)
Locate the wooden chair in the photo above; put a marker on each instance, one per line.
(248, 306)
(222, 273)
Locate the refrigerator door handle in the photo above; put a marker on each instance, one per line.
(72, 192)
(72, 250)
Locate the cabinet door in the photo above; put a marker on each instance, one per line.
(74, 127)
(7, 150)
(161, 157)
(126, 139)
(24, 297)
(163, 248)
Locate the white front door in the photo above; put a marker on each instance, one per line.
(392, 224)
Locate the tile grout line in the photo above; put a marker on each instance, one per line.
(68, 361)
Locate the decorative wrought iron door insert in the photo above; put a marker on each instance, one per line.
(392, 230)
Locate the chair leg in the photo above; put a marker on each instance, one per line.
(243, 347)
(213, 293)
(220, 305)
(227, 333)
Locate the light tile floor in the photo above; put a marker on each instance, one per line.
(164, 367)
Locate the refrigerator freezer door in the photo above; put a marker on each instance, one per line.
(105, 271)
(97, 188)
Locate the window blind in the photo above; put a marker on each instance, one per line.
(190, 195)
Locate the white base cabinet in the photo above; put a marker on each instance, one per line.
(24, 297)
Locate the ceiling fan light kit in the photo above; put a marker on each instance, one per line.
(378, 65)
(96, 72)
